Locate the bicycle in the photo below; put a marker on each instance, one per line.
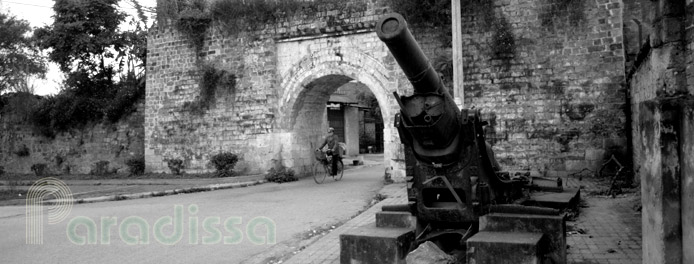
(321, 170)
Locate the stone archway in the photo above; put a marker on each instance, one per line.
(307, 88)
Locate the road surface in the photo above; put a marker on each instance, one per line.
(226, 226)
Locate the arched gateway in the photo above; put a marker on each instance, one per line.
(276, 112)
(307, 80)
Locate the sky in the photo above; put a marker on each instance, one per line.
(39, 13)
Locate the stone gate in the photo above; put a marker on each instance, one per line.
(311, 70)
(548, 76)
(276, 111)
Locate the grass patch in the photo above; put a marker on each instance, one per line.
(12, 194)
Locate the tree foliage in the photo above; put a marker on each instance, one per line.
(19, 56)
(84, 33)
(104, 64)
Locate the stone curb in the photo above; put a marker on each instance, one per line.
(118, 197)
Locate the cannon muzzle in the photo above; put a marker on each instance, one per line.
(392, 30)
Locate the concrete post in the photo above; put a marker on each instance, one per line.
(458, 78)
(687, 162)
(660, 182)
(352, 130)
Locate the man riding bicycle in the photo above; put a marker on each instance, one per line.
(333, 149)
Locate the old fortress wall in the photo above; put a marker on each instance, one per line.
(549, 75)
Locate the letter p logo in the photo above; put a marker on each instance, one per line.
(58, 209)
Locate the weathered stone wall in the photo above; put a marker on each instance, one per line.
(283, 77)
(74, 152)
(549, 75)
(661, 105)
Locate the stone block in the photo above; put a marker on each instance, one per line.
(371, 244)
(568, 198)
(505, 248)
(395, 219)
(595, 154)
(553, 227)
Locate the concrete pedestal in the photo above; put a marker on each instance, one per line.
(569, 198)
(505, 248)
(553, 227)
(396, 219)
(377, 245)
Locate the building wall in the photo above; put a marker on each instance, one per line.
(283, 73)
(73, 152)
(661, 105)
(549, 75)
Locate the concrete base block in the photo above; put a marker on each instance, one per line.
(569, 198)
(553, 227)
(505, 248)
(371, 244)
(396, 220)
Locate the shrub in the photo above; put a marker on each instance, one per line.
(22, 151)
(175, 165)
(125, 100)
(224, 163)
(87, 99)
(101, 167)
(2, 170)
(194, 23)
(136, 165)
(211, 79)
(280, 174)
(39, 169)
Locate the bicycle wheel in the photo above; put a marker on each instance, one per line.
(319, 173)
(340, 170)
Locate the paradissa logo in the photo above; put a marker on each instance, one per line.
(58, 210)
(167, 230)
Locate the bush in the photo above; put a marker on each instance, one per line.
(100, 168)
(2, 170)
(22, 151)
(87, 99)
(280, 175)
(136, 165)
(39, 169)
(175, 165)
(125, 100)
(224, 163)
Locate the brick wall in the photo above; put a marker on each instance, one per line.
(548, 74)
(284, 74)
(75, 152)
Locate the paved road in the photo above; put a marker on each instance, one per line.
(221, 216)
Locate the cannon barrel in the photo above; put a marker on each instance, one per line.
(392, 30)
(429, 117)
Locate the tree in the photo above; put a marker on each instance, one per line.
(83, 35)
(99, 60)
(85, 40)
(19, 56)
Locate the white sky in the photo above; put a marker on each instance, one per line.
(39, 13)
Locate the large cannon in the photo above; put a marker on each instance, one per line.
(452, 170)
(453, 178)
